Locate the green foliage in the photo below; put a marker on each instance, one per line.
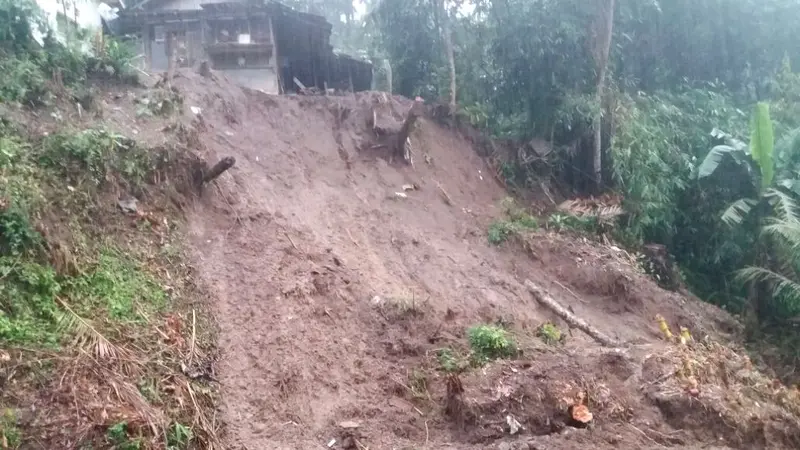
(17, 234)
(517, 220)
(10, 434)
(566, 222)
(95, 156)
(549, 333)
(118, 285)
(28, 308)
(450, 361)
(490, 342)
(23, 81)
(27, 65)
(179, 436)
(762, 144)
(117, 435)
(499, 232)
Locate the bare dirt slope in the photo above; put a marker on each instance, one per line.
(334, 295)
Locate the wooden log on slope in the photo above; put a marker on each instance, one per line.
(219, 168)
(574, 321)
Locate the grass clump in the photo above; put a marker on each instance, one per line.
(517, 219)
(10, 434)
(550, 333)
(451, 361)
(115, 288)
(566, 222)
(117, 435)
(179, 436)
(489, 342)
(96, 156)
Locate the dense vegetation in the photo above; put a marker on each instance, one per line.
(683, 80)
(82, 295)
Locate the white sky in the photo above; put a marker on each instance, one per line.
(361, 8)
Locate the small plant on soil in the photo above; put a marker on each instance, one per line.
(179, 437)
(10, 434)
(549, 333)
(451, 361)
(117, 435)
(418, 383)
(490, 342)
(517, 220)
(499, 232)
(565, 222)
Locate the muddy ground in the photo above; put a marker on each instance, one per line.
(334, 296)
(314, 260)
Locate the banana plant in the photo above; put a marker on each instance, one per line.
(758, 159)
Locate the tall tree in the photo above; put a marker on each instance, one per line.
(602, 31)
(444, 20)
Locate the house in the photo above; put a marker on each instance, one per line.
(260, 44)
(69, 18)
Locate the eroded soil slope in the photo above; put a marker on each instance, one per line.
(334, 295)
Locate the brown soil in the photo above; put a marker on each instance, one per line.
(334, 296)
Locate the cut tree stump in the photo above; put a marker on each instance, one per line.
(574, 321)
(399, 144)
(219, 168)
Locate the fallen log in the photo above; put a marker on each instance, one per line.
(219, 168)
(574, 321)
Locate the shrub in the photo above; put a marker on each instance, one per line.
(490, 342)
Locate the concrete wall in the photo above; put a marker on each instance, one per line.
(263, 79)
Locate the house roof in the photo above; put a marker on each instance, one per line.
(139, 14)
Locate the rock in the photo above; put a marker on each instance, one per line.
(128, 205)
(349, 425)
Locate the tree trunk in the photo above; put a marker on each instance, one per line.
(542, 297)
(448, 49)
(603, 31)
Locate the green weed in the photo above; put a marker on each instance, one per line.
(28, 309)
(178, 437)
(518, 219)
(120, 286)
(10, 434)
(566, 222)
(95, 156)
(499, 232)
(490, 342)
(549, 333)
(451, 361)
(17, 234)
(117, 435)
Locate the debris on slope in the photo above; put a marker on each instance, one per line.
(338, 306)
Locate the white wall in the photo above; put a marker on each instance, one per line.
(82, 12)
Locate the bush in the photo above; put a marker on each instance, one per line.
(94, 155)
(22, 81)
(490, 342)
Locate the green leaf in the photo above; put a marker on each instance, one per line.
(762, 142)
(715, 157)
(736, 213)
